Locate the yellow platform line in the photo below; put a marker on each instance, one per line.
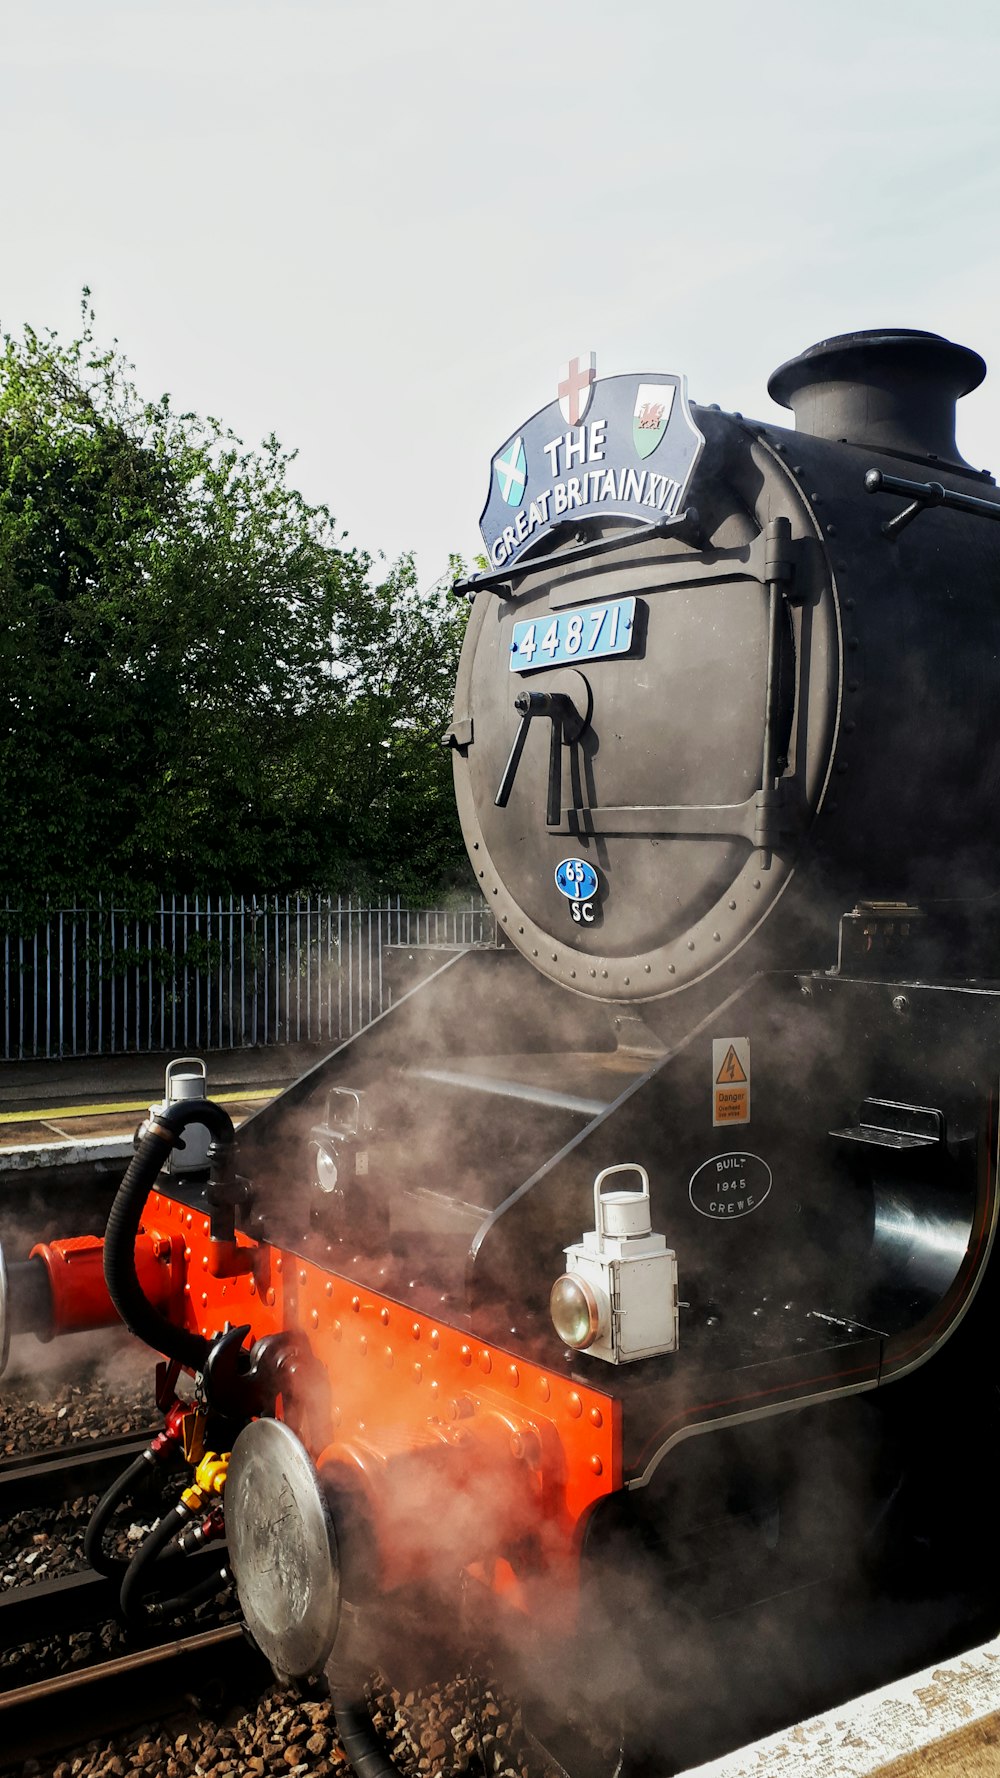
(46, 1113)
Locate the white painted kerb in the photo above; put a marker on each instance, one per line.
(872, 1730)
(66, 1154)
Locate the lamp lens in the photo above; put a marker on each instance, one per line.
(326, 1170)
(574, 1312)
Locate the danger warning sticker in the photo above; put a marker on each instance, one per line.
(730, 1080)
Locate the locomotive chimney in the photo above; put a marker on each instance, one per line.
(891, 390)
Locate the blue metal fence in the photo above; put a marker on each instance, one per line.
(212, 972)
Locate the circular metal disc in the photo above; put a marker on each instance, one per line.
(4, 1315)
(282, 1548)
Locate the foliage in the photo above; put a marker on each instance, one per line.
(200, 684)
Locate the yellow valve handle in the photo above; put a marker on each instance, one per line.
(211, 1473)
(210, 1478)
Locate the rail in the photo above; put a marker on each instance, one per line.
(48, 1478)
(39, 1478)
(65, 1710)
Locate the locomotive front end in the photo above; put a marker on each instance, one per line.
(647, 704)
(693, 672)
(553, 1317)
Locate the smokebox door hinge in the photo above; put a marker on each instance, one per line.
(459, 735)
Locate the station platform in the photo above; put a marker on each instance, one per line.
(941, 1723)
(94, 1098)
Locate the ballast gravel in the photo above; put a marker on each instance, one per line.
(287, 1737)
(445, 1732)
(100, 1398)
(40, 1410)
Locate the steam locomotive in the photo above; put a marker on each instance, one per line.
(619, 1310)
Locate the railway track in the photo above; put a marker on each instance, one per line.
(147, 1701)
(31, 1486)
(142, 1676)
(206, 1671)
(39, 1478)
(54, 1702)
(40, 1619)
(78, 1694)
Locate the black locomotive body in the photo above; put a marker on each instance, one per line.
(745, 873)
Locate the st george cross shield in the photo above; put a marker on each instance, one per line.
(511, 471)
(653, 402)
(576, 386)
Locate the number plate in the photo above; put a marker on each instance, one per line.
(586, 634)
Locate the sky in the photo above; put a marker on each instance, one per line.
(378, 229)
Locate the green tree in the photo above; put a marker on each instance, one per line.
(201, 686)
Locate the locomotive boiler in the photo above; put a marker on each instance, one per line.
(619, 1311)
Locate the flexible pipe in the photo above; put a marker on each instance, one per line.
(126, 1292)
(134, 1604)
(123, 1488)
(202, 1590)
(133, 1601)
(367, 1754)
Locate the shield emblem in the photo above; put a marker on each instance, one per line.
(653, 402)
(511, 471)
(576, 387)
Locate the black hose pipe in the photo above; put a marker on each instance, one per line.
(367, 1754)
(136, 1608)
(127, 1294)
(202, 1590)
(124, 1488)
(133, 1599)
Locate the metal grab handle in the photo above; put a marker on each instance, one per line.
(186, 1062)
(348, 1093)
(502, 797)
(921, 495)
(622, 1167)
(173, 1071)
(567, 725)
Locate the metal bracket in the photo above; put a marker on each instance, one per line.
(686, 526)
(921, 495)
(762, 819)
(239, 1383)
(879, 937)
(888, 1123)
